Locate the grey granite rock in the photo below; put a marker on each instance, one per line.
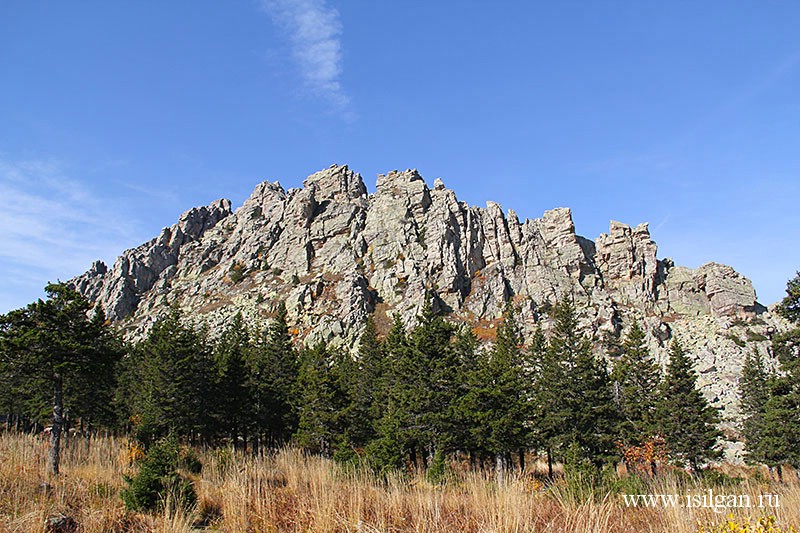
(335, 253)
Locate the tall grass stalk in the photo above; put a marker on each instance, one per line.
(290, 491)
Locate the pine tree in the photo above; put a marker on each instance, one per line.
(92, 392)
(686, 420)
(636, 378)
(14, 395)
(55, 352)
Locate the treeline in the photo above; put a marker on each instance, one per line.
(422, 394)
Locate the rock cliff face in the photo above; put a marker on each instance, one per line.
(335, 254)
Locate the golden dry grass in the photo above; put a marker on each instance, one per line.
(289, 491)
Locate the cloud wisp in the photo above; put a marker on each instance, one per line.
(51, 227)
(315, 31)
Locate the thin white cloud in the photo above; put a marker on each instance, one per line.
(51, 227)
(315, 31)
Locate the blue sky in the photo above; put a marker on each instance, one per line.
(117, 117)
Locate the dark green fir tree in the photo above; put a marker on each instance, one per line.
(687, 422)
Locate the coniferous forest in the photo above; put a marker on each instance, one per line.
(421, 397)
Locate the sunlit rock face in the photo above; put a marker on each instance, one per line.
(334, 254)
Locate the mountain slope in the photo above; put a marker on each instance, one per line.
(335, 254)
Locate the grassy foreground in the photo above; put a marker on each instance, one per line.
(288, 491)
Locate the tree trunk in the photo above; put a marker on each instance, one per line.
(522, 460)
(54, 457)
(499, 468)
(65, 428)
(549, 463)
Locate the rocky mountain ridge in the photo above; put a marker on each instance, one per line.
(334, 254)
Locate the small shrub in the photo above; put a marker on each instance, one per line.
(630, 484)
(158, 479)
(735, 338)
(236, 276)
(753, 336)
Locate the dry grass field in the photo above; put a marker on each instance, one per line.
(288, 491)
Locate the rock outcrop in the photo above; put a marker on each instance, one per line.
(149, 266)
(334, 254)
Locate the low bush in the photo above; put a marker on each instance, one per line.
(158, 479)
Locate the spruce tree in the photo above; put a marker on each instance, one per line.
(422, 385)
(754, 392)
(779, 430)
(273, 377)
(548, 408)
(584, 417)
(388, 449)
(497, 399)
(325, 400)
(170, 381)
(636, 378)
(687, 422)
(467, 430)
(233, 406)
(349, 423)
(317, 406)
(432, 368)
(369, 384)
(780, 427)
